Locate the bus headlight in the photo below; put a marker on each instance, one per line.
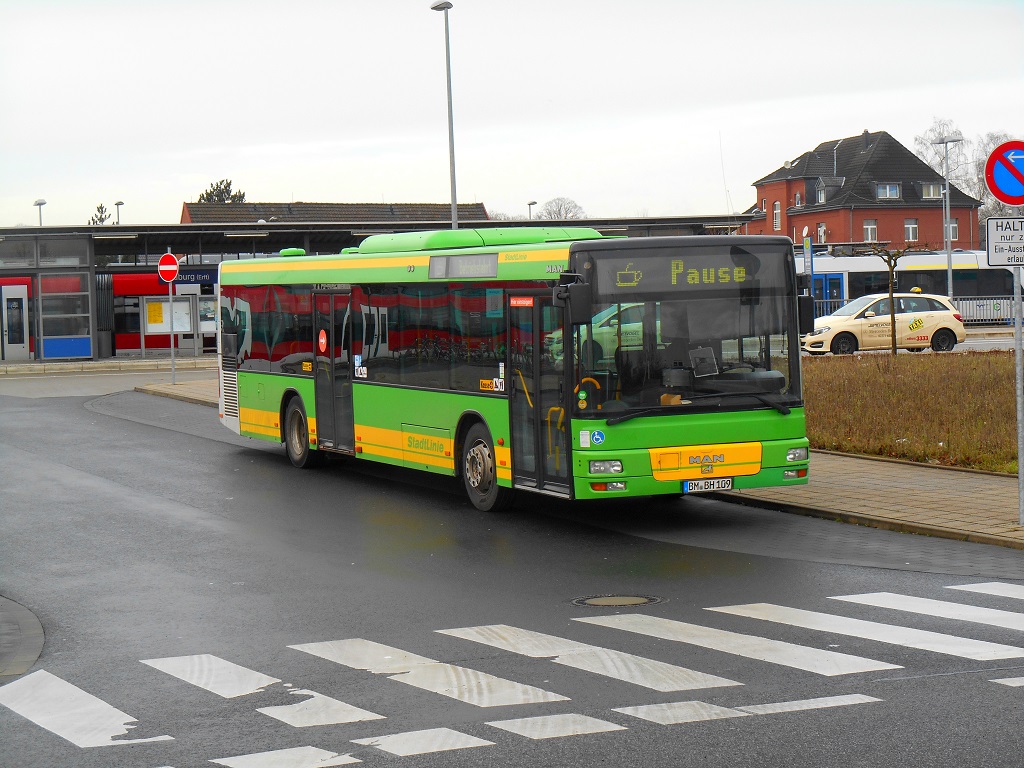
(796, 454)
(606, 467)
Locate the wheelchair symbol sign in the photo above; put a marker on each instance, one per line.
(597, 437)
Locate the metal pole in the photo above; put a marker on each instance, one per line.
(945, 225)
(1019, 365)
(451, 121)
(170, 303)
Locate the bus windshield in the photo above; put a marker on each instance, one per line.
(686, 330)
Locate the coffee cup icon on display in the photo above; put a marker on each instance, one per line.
(628, 277)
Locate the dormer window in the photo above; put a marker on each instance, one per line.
(931, 191)
(820, 195)
(887, 191)
(798, 200)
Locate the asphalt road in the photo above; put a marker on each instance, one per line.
(235, 611)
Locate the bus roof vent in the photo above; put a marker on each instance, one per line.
(293, 252)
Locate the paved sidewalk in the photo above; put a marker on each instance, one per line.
(896, 495)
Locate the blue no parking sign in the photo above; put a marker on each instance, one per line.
(1004, 173)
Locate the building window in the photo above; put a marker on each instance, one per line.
(931, 191)
(821, 232)
(764, 204)
(910, 230)
(870, 230)
(887, 191)
(820, 195)
(777, 216)
(954, 230)
(799, 200)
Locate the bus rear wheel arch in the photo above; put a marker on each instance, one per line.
(479, 471)
(296, 435)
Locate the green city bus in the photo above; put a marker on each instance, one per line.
(553, 360)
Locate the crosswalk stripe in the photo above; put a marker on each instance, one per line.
(678, 712)
(939, 608)
(1013, 682)
(996, 588)
(962, 647)
(318, 710)
(224, 678)
(424, 742)
(467, 685)
(648, 673)
(805, 704)
(296, 757)
(68, 711)
(815, 660)
(556, 726)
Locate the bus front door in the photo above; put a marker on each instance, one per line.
(332, 377)
(539, 423)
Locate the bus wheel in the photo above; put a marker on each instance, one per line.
(296, 435)
(479, 474)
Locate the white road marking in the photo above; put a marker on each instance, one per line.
(681, 712)
(68, 711)
(939, 608)
(963, 647)
(424, 742)
(648, 673)
(214, 674)
(996, 588)
(1013, 682)
(805, 704)
(296, 757)
(467, 685)
(556, 726)
(820, 662)
(318, 710)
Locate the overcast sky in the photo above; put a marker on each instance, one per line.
(640, 108)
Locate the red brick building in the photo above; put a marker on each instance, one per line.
(863, 189)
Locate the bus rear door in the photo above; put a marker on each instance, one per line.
(333, 375)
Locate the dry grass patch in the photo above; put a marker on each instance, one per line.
(957, 409)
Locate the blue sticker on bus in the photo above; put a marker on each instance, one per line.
(597, 437)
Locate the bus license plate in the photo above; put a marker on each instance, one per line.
(699, 486)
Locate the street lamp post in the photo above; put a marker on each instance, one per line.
(118, 205)
(529, 208)
(947, 242)
(39, 204)
(445, 7)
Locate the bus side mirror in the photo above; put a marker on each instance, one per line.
(579, 298)
(805, 308)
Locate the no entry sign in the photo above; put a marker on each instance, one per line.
(1004, 173)
(167, 268)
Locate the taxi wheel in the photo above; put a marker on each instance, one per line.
(844, 344)
(943, 340)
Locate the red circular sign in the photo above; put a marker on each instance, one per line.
(167, 268)
(322, 342)
(1004, 173)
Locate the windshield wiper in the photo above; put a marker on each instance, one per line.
(783, 409)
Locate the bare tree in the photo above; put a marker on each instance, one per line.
(561, 208)
(101, 215)
(961, 169)
(990, 206)
(499, 216)
(890, 256)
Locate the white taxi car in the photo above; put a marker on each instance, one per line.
(922, 320)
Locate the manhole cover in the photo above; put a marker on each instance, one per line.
(615, 601)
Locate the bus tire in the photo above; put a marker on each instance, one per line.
(479, 473)
(296, 435)
(843, 344)
(943, 340)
